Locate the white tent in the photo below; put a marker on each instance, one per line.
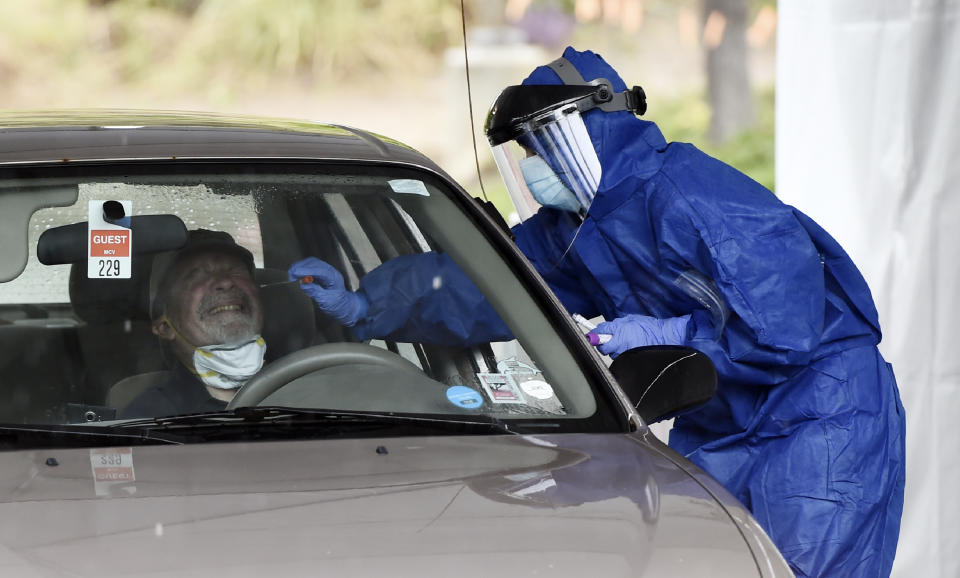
(868, 144)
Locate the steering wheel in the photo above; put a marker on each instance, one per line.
(300, 363)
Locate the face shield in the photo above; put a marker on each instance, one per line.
(551, 163)
(541, 145)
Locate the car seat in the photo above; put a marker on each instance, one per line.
(115, 338)
(40, 371)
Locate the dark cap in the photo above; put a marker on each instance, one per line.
(198, 241)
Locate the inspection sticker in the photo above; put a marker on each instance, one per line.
(409, 187)
(109, 240)
(462, 396)
(501, 388)
(112, 467)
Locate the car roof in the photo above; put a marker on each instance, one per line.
(66, 136)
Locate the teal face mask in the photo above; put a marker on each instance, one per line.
(546, 187)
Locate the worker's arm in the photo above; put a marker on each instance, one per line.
(423, 298)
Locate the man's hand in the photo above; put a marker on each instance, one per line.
(328, 290)
(632, 331)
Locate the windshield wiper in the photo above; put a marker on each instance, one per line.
(19, 437)
(268, 421)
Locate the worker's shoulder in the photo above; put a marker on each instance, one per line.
(684, 163)
(708, 185)
(677, 152)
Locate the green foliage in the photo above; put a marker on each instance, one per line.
(175, 46)
(47, 31)
(323, 40)
(141, 34)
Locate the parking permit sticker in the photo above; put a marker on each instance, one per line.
(462, 396)
(409, 186)
(501, 388)
(109, 239)
(112, 470)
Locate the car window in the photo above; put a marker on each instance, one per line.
(48, 283)
(78, 344)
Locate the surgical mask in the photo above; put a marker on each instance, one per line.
(225, 366)
(229, 366)
(546, 187)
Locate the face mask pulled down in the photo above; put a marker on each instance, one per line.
(229, 366)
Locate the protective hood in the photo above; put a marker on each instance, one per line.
(626, 146)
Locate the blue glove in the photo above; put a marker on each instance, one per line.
(632, 331)
(329, 291)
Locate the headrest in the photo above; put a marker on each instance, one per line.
(103, 301)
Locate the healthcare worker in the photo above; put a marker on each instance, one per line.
(675, 247)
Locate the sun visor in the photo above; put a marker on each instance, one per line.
(153, 233)
(17, 206)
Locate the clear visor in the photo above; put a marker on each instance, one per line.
(559, 138)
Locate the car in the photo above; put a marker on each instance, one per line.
(522, 455)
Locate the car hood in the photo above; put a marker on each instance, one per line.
(607, 505)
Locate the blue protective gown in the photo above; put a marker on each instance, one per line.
(806, 428)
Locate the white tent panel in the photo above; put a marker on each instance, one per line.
(868, 144)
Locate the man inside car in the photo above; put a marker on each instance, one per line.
(206, 310)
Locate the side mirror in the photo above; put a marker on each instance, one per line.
(665, 380)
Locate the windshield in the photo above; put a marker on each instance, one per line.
(363, 290)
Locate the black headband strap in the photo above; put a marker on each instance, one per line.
(634, 100)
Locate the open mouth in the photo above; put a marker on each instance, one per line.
(224, 308)
(227, 306)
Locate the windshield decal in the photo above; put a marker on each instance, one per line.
(537, 389)
(501, 388)
(409, 186)
(514, 366)
(109, 239)
(463, 396)
(112, 471)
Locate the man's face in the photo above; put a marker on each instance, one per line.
(213, 300)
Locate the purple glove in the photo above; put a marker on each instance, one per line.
(632, 331)
(329, 291)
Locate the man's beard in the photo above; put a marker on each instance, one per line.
(231, 327)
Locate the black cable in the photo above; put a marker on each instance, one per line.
(473, 131)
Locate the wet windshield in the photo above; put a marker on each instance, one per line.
(113, 318)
